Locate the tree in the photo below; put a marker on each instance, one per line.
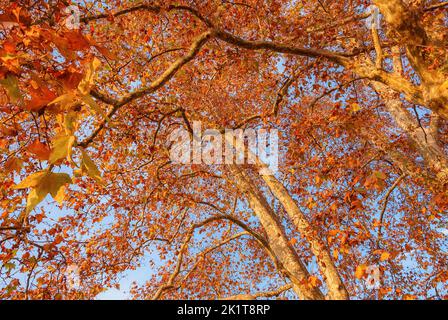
(92, 93)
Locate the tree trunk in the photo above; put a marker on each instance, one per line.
(336, 288)
(424, 140)
(285, 253)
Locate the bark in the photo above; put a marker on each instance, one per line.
(424, 140)
(336, 288)
(404, 22)
(285, 253)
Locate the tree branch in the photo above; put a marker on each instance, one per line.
(154, 86)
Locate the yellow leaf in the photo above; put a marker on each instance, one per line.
(31, 181)
(385, 256)
(69, 122)
(50, 183)
(89, 167)
(12, 87)
(86, 83)
(360, 271)
(355, 107)
(60, 195)
(62, 148)
(34, 198)
(87, 99)
(41, 184)
(66, 100)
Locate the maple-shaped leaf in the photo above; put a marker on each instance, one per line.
(13, 164)
(11, 85)
(41, 184)
(61, 148)
(384, 256)
(360, 271)
(87, 82)
(70, 78)
(89, 167)
(39, 98)
(39, 149)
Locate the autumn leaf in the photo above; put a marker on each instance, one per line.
(39, 98)
(87, 82)
(66, 101)
(355, 107)
(384, 256)
(70, 122)
(41, 184)
(360, 271)
(61, 148)
(31, 181)
(314, 282)
(39, 149)
(13, 164)
(94, 107)
(81, 95)
(89, 167)
(35, 196)
(11, 85)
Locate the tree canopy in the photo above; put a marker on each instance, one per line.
(91, 91)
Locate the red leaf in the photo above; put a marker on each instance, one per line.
(40, 150)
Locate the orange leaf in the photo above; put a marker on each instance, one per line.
(314, 281)
(39, 98)
(13, 164)
(360, 271)
(385, 256)
(40, 150)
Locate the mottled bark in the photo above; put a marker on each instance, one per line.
(424, 140)
(285, 253)
(336, 288)
(404, 23)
